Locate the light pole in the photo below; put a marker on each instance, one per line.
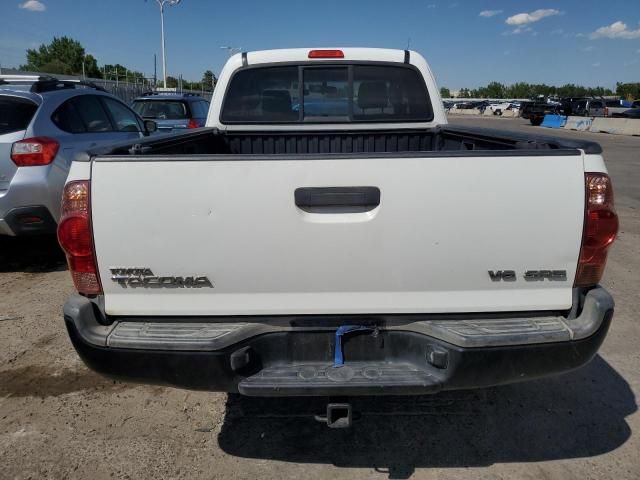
(231, 50)
(161, 4)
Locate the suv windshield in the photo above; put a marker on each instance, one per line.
(327, 94)
(161, 109)
(15, 114)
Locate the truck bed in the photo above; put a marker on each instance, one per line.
(444, 139)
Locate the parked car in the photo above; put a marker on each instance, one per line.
(44, 123)
(272, 254)
(568, 104)
(631, 113)
(635, 104)
(499, 108)
(613, 107)
(597, 107)
(463, 106)
(525, 108)
(172, 111)
(590, 107)
(536, 111)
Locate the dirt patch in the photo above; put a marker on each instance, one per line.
(42, 382)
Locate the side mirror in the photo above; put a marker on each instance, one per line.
(150, 126)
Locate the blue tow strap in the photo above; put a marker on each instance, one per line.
(340, 332)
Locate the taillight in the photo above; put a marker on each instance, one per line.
(76, 238)
(600, 229)
(35, 151)
(193, 123)
(326, 54)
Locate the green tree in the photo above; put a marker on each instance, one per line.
(208, 81)
(494, 90)
(91, 68)
(172, 82)
(62, 55)
(445, 92)
(518, 90)
(628, 90)
(54, 66)
(122, 73)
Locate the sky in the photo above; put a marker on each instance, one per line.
(468, 43)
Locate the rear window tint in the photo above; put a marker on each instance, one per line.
(327, 94)
(93, 114)
(15, 114)
(389, 94)
(199, 109)
(67, 118)
(161, 109)
(262, 95)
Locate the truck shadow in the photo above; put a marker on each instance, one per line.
(36, 254)
(576, 415)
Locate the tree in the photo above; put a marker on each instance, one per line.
(494, 90)
(122, 73)
(55, 66)
(445, 92)
(519, 90)
(91, 68)
(209, 81)
(62, 55)
(628, 90)
(172, 82)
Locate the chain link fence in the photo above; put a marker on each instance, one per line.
(126, 91)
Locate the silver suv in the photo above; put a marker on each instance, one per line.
(44, 123)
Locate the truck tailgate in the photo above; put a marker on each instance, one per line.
(441, 225)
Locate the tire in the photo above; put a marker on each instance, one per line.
(536, 121)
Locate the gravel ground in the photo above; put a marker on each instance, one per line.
(60, 420)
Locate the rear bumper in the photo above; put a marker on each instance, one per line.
(295, 357)
(31, 220)
(33, 192)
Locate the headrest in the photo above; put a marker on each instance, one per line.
(373, 95)
(276, 101)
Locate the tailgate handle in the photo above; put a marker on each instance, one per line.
(337, 199)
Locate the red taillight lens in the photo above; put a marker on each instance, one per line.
(193, 123)
(326, 54)
(76, 238)
(600, 229)
(35, 151)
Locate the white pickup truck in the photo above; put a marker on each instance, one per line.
(329, 234)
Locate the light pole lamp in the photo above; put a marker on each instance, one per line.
(231, 50)
(161, 4)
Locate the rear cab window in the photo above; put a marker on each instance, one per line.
(15, 113)
(340, 93)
